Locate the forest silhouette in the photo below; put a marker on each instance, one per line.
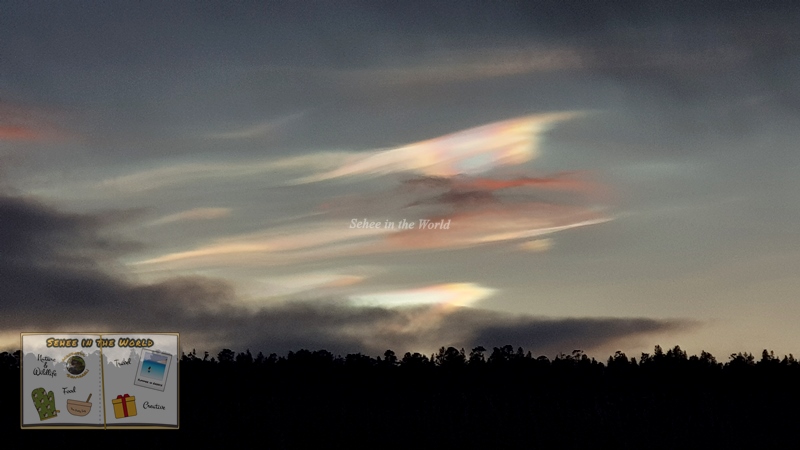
(503, 398)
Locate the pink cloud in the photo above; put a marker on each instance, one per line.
(17, 133)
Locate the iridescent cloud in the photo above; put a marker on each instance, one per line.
(491, 225)
(472, 151)
(450, 187)
(453, 294)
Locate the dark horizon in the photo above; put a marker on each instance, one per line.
(476, 355)
(506, 400)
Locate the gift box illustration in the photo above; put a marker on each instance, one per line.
(124, 406)
(45, 403)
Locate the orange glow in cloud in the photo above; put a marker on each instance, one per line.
(17, 133)
(24, 122)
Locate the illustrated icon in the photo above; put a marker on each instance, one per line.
(78, 408)
(124, 406)
(76, 366)
(153, 369)
(45, 403)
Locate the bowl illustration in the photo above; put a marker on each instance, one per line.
(78, 408)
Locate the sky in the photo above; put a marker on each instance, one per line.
(599, 176)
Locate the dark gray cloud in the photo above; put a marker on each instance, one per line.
(549, 336)
(342, 328)
(32, 232)
(52, 261)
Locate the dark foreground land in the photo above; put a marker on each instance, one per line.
(500, 399)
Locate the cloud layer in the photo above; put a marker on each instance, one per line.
(57, 274)
(456, 181)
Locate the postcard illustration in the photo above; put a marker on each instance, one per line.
(153, 369)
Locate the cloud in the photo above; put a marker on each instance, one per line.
(59, 270)
(261, 130)
(264, 290)
(493, 224)
(337, 327)
(57, 274)
(454, 294)
(17, 133)
(536, 245)
(465, 191)
(428, 182)
(37, 234)
(476, 64)
(560, 182)
(446, 66)
(194, 214)
(277, 246)
(457, 198)
(26, 123)
(472, 151)
(477, 209)
(289, 245)
(186, 173)
(551, 336)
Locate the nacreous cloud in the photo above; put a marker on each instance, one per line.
(468, 152)
(440, 187)
(55, 276)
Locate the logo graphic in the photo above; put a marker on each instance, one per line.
(76, 365)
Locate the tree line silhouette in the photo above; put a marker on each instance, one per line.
(502, 398)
